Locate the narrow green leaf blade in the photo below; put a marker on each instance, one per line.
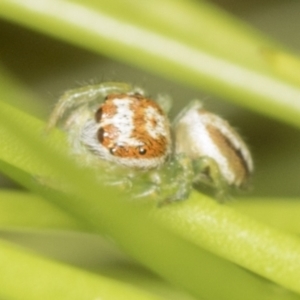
(212, 50)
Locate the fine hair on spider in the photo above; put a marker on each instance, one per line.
(126, 136)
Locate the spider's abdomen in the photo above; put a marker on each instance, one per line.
(200, 133)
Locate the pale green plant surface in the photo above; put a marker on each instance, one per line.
(200, 58)
(25, 210)
(193, 243)
(97, 215)
(22, 209)
(39, 278)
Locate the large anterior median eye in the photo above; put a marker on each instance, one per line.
(100, 135)
(98, 115)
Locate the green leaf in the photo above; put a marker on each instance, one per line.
(33, 277)
(24, 210)
(197, 44)
(281, 213)
(149, 242)
(260, 248)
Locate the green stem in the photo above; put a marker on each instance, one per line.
(201, 46)
(19, 209)
(152, 243)
(260, 248)
(26, 276)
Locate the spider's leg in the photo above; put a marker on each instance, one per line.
(174, 181)
(181, 174)
(207, 172)
(84, 96)
(165, 102)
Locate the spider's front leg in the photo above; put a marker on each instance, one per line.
(178, 179)
(208, 175)
(170, 183)
(83, 97)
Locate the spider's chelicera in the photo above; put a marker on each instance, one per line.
(128, 139)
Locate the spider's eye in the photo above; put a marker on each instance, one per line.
(100, 135)
(112, 150)
(142, 151)
(98, 115)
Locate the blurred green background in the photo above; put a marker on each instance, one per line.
(47, 67)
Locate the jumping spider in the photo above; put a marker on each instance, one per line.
(127, 138)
